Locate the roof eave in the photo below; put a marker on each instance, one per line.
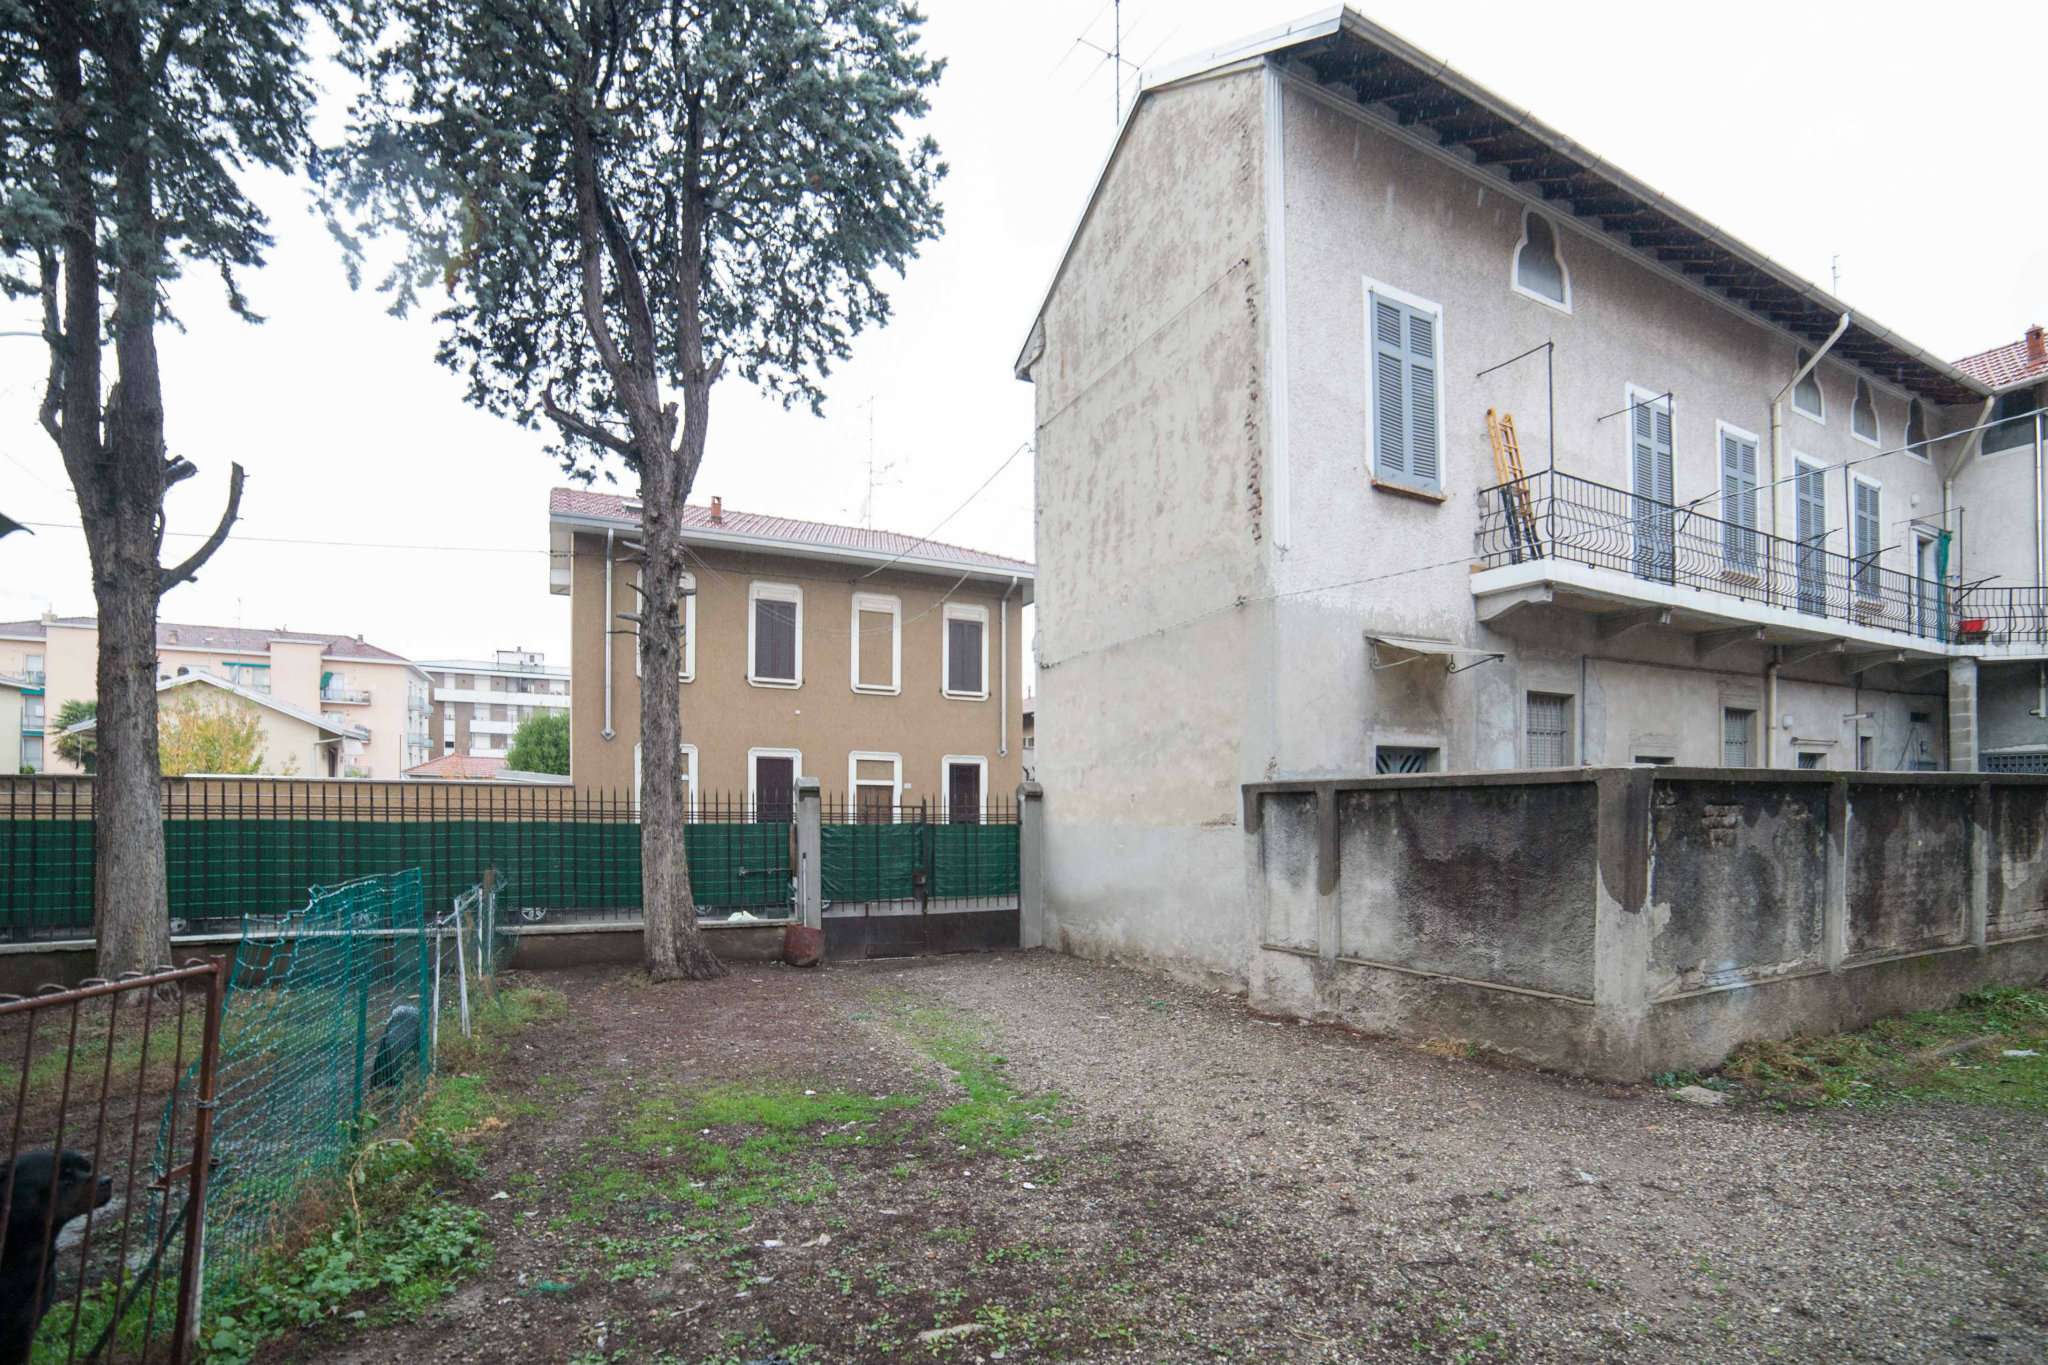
(697, 535)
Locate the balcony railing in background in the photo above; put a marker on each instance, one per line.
(1560, 516)
(349, 696)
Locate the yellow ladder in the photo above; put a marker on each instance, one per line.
(1514, 485)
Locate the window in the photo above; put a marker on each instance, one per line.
(1863, 415)
(1737, 726)
(775, 635)
(877, 643)
(964, 651)
(1550, 734)
(876, 783)
(31, 713)
(1654, 760)
(1539, 273)
(771, 784)
(1739, 540)
(1403, 759)
(1866, 753)
(688, 775)
(256, 677)
(688, 588)
(1812, 758)
(1810, 530)
(32, 669)
(1916, 431)
(1806, 395)
(1406, 417)
(2013, 430)
(1866, 527)
(32, 753)
(966, 788)
(1650, 467)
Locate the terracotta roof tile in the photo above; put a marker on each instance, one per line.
(2002, 367)
(581, 502)
(458, 767)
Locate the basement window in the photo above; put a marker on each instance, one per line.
(1394, 760)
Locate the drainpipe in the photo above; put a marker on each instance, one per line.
(1778, 415)
(1771, 717)
(2040, 564)
(1003, 713)
(604, 635)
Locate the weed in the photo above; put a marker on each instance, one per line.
(994, 1115)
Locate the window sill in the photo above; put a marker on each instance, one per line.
(869, 690)
(787, 684)
(1410, 491)
(963, 696)
(1817, 418)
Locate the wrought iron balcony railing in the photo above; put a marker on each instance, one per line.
(1560, 516)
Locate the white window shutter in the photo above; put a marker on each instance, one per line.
(1389, 405)
(1423, 460)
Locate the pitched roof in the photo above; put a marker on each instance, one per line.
(854, 541)
(1418, 97)
(457, 767)
(2007, 366)
(262, 699)
(225, 639)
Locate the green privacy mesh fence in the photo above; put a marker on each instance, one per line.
(876, 861)
(323, 1035)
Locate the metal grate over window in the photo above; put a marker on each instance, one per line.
(1736, 727)
(1549, 731)
(1397, 761)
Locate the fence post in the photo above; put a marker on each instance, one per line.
(192, 1265)
(1030, 865)
(809, 818)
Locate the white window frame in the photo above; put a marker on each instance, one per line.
(1924, 454)
(689, 587)
(854, 781)
(759, 591)
(689, 756)
(1405, 483)
(796, 771)
(1865, 386)
(946, 766)
(1792, 395)
(961, 611)
(876, 602)
(1515, 272)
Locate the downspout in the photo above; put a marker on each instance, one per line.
(1778, 424)
(1771, 716)
(2040, 567)
(604, 636)
(1003, 711)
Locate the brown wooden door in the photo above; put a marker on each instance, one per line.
(876, 806)
(774, 789)
(963, 793)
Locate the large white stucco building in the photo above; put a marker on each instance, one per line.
(1274, 541)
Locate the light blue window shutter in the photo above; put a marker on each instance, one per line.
(1867, 531)
(1389, 390)
(1423, 461)
(1660, 448)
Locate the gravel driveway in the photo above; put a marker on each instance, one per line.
(1581, 1220)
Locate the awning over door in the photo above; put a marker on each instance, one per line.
(1392, 651)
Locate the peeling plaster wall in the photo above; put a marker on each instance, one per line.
(1151, 527)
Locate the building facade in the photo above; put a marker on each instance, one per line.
(1285, 532)
(374, 700)
(479, 704)
(888, 668)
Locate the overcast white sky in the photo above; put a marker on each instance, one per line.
(1900, 137)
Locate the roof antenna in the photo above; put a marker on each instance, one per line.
(1114, 55)
(1835, 274)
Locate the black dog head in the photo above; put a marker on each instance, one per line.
(45, 1182)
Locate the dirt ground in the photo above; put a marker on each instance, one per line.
(1070, 1161)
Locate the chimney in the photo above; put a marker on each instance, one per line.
(718, 503)
(2037, 345)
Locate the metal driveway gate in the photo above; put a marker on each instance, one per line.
(898, 883)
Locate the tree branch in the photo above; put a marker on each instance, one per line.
(171, 578)
(576, 426)
(53, 336)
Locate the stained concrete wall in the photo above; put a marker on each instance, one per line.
(1628, 921)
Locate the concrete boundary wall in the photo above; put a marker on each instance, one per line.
(1626, 921)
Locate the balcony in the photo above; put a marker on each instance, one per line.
(1558, 539)
(345, 696)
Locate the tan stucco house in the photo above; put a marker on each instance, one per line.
(377, 699)
(294, 742)
(887, 667)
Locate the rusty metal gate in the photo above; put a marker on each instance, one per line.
(111, 1234)
(897, 882)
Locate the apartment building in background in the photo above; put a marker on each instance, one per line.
(1285, 534)
(479, 704)
(370, 702)
(14, 733)
(889, 668)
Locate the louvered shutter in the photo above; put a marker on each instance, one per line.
(1867, 523)
(1660, 448)
(1810, 523)
(1389, 392)
(1738, 501)
(1407, 445)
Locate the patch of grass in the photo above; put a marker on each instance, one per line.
(467, 1104)
(1955, 1055)
(496, 1018)
(994, 1115)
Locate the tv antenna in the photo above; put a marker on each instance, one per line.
(1114, 55)
(878, 475)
